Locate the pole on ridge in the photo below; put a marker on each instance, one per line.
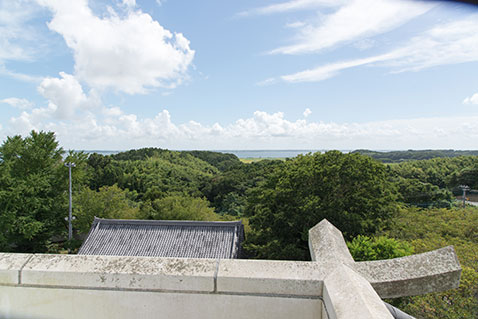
(70, 227)
(464, 188)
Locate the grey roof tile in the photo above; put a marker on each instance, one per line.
(158, 238)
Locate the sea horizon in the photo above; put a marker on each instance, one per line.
(259, 153)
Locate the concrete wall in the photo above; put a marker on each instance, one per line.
(332, 286)
(72, 286)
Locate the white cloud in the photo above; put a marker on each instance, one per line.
(450, 43)
(129, 54)
(65, 95)
(111, 128)
(330, 70)
(21, 104)
(447, 43)
(267, 82)
(291, 6)
(352, 21)
(67, 105)
(19, 76)
(129, 3)
(364, 44)
(294, 25)
(15, 32)
(307, 112)
(472, 99)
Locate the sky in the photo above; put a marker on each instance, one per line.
(234, 75)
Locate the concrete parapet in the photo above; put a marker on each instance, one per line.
(152, 273)
(293, 278)
(73, 286)
(327, 244)
(349, 295)
(348, 292)
(413, 275)
(332, 286)
(10, 267)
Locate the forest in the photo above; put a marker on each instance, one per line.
(386, 207)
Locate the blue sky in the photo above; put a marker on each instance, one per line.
(297, 74)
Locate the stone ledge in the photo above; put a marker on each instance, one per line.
(271, 277)
(413, 275)
(10, 266)
(349, 295)
(327, 244)
(150, 273)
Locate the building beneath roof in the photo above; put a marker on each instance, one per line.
(160, 238)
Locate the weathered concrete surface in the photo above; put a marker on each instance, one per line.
(327, 244)
(120, 272)
(346, 294)
(349, 295)
(73, 286)
(10, 265)
(270, 277)
(413, 275)
(54, 303)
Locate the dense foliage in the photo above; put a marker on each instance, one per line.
(365, 248)
(350, 190)
(107, 202)
(177, 207)
(400, 156)
(228, 192)
(430, 229)
(32, 205)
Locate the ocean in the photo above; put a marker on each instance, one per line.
(242, 153)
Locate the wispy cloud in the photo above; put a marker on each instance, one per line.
(450, 43)
(19, 76)
(17, 36)
(330, 70)
(291, 6)
(352, 21)
(21, 104)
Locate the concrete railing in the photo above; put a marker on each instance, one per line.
(331, 286)
(74, 286)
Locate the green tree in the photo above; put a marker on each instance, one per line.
(107, 202)
(178, 207)
(422, 194)
(227, 191)
(32, 192)
(365, 248)
(350, 190)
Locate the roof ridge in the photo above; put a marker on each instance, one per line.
(105, 221)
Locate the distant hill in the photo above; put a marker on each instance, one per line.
(402, 156)
(221, 161)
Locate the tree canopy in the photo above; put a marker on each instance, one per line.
(32, 192)
(350, 190)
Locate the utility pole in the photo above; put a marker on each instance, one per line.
(70, 227)
(464, 188)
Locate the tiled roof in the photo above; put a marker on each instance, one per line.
(159, 238)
